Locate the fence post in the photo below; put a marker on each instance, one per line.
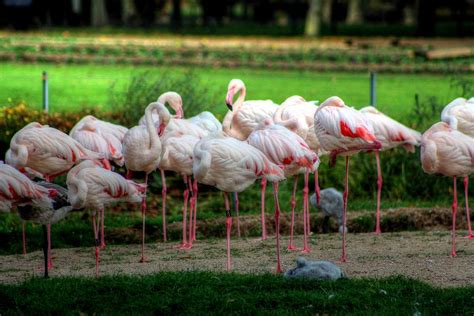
(44, 78)
(373, 89)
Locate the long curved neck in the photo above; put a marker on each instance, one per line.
(240, 100)
(150, 126)
(167, 97)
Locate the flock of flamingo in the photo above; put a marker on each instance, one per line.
(257, 140)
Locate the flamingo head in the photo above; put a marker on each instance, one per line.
(175, 101)
(333, 101)
(235, 85)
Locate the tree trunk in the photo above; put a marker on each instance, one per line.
(313, 19)
(326, 11)
(128, 10)
(176, 15)
(354, 12)
(99, 15)
(77, 6)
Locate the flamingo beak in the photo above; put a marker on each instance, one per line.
(229, 99)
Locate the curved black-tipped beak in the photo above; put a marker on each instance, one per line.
(229, 106)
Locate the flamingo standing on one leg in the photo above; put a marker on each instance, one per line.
(142, 150)
(459, 114)
(43, 203)
(90, 186)
(101, 137)
(286, 148)
(390, 134)
(342, 130)
(242, 119)
(451, 153)
(232, 166)
(46, 152)
(296, 114)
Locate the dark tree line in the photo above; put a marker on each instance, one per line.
(312, 14)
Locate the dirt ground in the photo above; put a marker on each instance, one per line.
(421, 255)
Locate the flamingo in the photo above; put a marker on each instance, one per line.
(43, 203)
(289, 150)
(90, 186)
(342, 130)
(449, 152)
(459, 114)
(46, 153)
(296, 114)
(232, 165)
(100, 136)
(241, 119)
(142, 150)
(390, 134)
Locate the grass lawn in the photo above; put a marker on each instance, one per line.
(75, 86)
(219, 293)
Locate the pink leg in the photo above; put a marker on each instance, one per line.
(97, 243)
(50, 263)
(236, 207)
(470, 235)
(142, 259)
(306, 248)
(454, 208)
(195, 188)
(191, 211)
(184, 243)
(317, 190)
(163, 204)
(291, 246)
(277, 225)
(23, 236)
(129, 174)
(262, 201)
(308, 221)
(379, 192)
(102, 232)
(344, 212)
(228, 223)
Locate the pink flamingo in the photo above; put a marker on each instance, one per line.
(46, 152)
(101, 137)
(390, 134)
(459, 114)
(232, 166)
(241, 120)
(342, 130)
(289, 150)
(90, 186)
(449, 152)
(296, 114)
(142, 150)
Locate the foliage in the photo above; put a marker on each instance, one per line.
(146, 87)
(225, 293)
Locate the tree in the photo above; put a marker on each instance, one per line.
(313, 19)
(128, 11)
(326, 11)
(99, 16)
(176, 19)
(354, 12)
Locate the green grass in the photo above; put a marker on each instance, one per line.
(218, 293)
(76, 86)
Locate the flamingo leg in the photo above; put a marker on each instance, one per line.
(344, 211)
(45, 251)
(142, 259)
(23, 236)
(236, 208)
(264, 228)
(97, 243)
(195, 188)
(277, 225)
(470, 235)
(228, 223)
(317, 190)
(454, 208)
(379, 192)
(184, 243)
(50, 263)
(163, 204)
(191, 211)
(306, 248)
(102, 230)
(291, 246)
(129, 174)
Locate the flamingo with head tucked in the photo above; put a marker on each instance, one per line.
(142, 150)
(449, 152)
(289, 150)
(390, 134)
(459, 114)
(232, 165)
(342, 130)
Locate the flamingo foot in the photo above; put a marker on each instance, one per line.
(453, 254)
(292, 247)
(468, 236)
(143, 260)
(377, 232)
(279, 270)
(343, 259)
(103, 245)
(306, 249)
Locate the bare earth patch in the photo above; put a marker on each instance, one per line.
(421, 255)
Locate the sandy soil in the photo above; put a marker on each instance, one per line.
(421, 255)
